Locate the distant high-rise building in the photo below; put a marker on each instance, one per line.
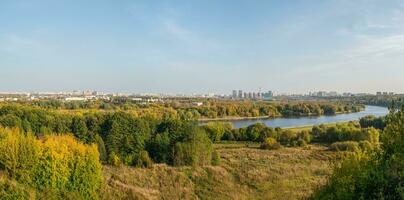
(378, 93)
(240, 94)
(234, 95)
(321, 94)
(333, 94)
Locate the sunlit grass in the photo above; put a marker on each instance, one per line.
(245, 172)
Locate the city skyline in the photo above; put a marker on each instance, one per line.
(236, 94)
(202, 46)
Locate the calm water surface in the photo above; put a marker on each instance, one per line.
(303, 121)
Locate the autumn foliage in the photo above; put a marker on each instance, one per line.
(58, 164)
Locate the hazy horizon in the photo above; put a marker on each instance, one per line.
(202, 46)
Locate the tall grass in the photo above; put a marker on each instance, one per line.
(243, 173)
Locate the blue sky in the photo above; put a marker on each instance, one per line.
(202, 46)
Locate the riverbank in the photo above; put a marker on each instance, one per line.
(267, 117)
(310, 127)
(234, 118)
(301, 121)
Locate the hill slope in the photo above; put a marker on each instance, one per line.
(244, 173)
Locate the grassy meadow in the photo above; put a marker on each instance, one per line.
(245, 172)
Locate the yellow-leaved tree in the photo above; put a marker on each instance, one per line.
(59, 164)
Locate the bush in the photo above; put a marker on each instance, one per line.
(143, 160)
(215, 158)
(216, 130)
(10, 120)
(19, 153)
(195, 150)
(367, 146)
(350, 180)
(345, 146)
(253, 132)
(114, 160)
(345, 132)
(287, 137)
(11, 190)
(305, 136)
(270, 144)
(372, 121)
(301, 142)
(101, 149)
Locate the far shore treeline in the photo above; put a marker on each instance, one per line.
(194, 109)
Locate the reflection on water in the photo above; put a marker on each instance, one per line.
(302, 121)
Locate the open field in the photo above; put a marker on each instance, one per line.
(244, 173)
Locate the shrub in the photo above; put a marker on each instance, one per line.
(350, 180)
(215, 158)
(270, 144)
(19, 153)
(11, 190)
(160, 148)
(114, 159)
(196, 149)
(305, 136)
(367, 146)
(372, 121)
(143, 160)
(345, 132)
(10, 120)
(216, 130)
(301, 142)
(253, 131)
(101, 149)
(345, 146)
(287, 137)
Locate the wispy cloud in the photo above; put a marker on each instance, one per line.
(191, 38)
(179, 32)
(378, 46)
(12, 43)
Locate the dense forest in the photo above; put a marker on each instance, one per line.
(120, 136)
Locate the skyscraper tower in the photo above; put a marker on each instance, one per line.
(234, 94)
(240, 94)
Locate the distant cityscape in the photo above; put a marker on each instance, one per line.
(152, 97)
(251, 95)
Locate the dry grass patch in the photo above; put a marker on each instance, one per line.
(288, 173)
(244, 173)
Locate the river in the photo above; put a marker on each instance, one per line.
(313, 120)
